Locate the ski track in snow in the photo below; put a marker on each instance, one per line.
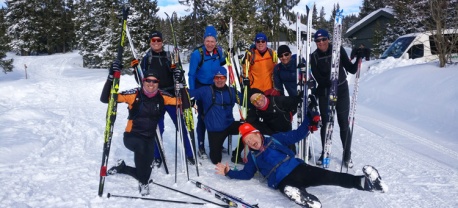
(405, 170)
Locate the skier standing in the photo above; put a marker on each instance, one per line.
(158, 62)
(261, 60)
(205, 62)
(320, 61)
(285, 72)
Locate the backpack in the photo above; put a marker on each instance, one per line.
(201, 51)
(251, 54)
(150, 58)
(289, 155)
(214, 98)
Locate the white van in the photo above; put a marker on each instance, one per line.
(419, 45)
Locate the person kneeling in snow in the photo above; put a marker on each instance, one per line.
(146, 106)
(277, 164)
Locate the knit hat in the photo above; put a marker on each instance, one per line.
(283, 49)
(246, 129)
(321, 33)
(254, 91)
(221, 72)
(260, 36)
(150, 74)
(210, 31)
(155, 34)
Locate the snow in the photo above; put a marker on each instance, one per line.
(52, 124)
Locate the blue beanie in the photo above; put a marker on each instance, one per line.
(210, 31)
(221, 72)
(260, 36)
(321, 33)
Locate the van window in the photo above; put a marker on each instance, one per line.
(398, 47)
(450, 38)
(416, 51)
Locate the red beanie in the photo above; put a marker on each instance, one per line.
(246, 129)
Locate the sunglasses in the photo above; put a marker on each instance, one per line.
(284, 55)
(154, 40)
(260, 41)
(256, 99)
(152, 81)
(321, 40)
(219, 78)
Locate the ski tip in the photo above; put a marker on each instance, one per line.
(108, 195)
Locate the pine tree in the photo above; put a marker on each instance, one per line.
(141, 22)
(6, 65)
(370, 6)
(22, 30)
(244, 20)
(322, 23)
(315, 17)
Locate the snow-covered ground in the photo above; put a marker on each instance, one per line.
(52, 124)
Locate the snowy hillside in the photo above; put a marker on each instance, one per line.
(52, 124)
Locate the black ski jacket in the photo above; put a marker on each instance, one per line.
(321, 68)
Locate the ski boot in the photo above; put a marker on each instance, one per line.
(301, 197)
(373, 181)
(117, 168)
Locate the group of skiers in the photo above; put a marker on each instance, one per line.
(266, 133)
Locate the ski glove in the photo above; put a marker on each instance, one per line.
(134, 63)
(301, 66)
(116, 66)
(173, 67)
(178, 75)
(314, 120)
(246, 81)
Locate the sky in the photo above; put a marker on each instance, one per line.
(52, 124)
(349, 7)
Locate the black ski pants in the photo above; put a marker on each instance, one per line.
(304, 176)
(216, 140)
(143, 148)
(342, 111)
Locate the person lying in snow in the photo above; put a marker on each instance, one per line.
(271, 156)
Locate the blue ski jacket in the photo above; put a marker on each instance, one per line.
(217, 106)
(276, 161)
(286, 74)
(203, 70)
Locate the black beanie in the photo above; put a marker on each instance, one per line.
(283, 49)
(254, 91)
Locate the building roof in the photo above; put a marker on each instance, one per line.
(387, 12)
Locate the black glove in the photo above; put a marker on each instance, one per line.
(359, 53)
(178, 75)
(300, 93)
(313, 114)
(311, 84)
(246, 81)
(299, 97)
(116, 66)
(301, 66)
